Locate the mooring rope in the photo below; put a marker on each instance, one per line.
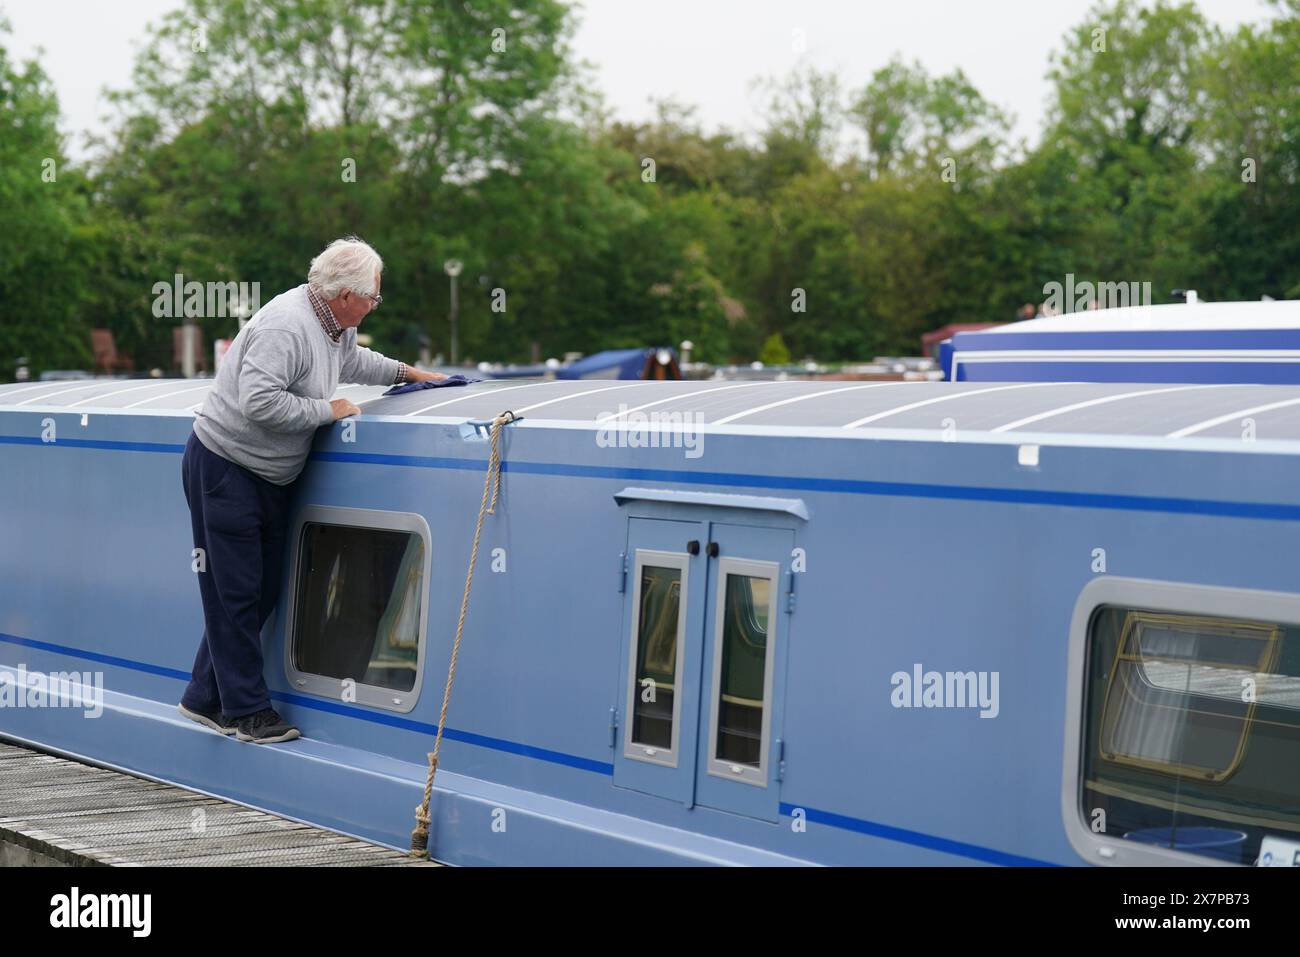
(420, 836)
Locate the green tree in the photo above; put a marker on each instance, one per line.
(44, 240)
(1246, 207)
(774, 352)
(254, 132)
(912, 122)
(1128, 94)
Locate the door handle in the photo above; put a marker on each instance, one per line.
(693, 547)
(713, 549)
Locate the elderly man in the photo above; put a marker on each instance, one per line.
(250, 442)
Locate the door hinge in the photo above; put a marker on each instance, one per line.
(789, 593)
(780, 759)
(613, 727)
(622, 572)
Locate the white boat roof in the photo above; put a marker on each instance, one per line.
(1200, 316)
(1091, 412)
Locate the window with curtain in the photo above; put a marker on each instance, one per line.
(358, 606)
(656, 653)
(744, 663)
(1164, 663)
(1192, 731)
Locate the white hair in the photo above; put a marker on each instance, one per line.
(346, 263)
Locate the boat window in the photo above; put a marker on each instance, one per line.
(358, 604)
(742, 670)
(1192, 732)
(658, 632)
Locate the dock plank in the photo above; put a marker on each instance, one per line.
(57, 810)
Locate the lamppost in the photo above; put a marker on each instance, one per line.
(189, 340)
(453, 268)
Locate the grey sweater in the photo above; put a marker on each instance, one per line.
(273, 388)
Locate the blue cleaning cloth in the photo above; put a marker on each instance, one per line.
(405, 387)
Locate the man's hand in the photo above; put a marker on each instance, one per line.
(416, 375)
(343, 408)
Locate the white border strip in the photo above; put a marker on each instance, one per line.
(167, 395)
(942, 398)
(5, 396)
(96, 398)
(674, 398)
(1012, 426)
(1220, 420)
(50, 395)
(577, 395)
(474, 395)
(803, 398)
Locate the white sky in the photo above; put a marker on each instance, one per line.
(701, 52)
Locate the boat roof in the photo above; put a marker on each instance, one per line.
(1172, 317)
(1088, 413)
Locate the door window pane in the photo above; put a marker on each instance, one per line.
(744, 661)
(655, 686)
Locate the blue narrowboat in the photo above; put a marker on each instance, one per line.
(1225, 342)
(894, 623)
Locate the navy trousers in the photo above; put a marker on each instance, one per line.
(239, 521)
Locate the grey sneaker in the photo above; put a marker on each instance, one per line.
(209, 719)
(264, 727)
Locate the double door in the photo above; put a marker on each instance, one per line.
(704, 645)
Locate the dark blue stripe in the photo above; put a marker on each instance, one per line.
(93, 444)
(451, 734)
(408, 461)
(970, 493)
(1226, 339)
(531, 751)
(964, 493)
(96, 656)
(545, 754)
(915, 838)
(392, 720)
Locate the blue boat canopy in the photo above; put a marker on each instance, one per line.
(624, 364)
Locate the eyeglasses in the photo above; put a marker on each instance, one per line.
(375, 299)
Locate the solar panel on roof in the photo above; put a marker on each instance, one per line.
(1064, 408)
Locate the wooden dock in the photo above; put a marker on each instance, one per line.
(56, 811)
